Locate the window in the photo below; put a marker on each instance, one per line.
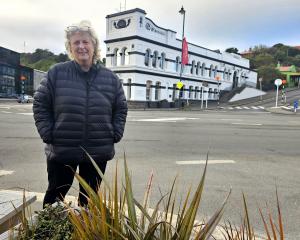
(210, 71)
(216, 71)
(124, 56)
(177, 64)
(129, 89)
(115, 57)
(228, 74)
(155, 59)
(162, 61)
(193, 67)
(181, 92)
(174, 92)
(196, 96)
(198, 68)
(203, 70)
(209, 93)
(147, 57)
(148, 90)
(157, 91)
(224, 73)
(190, 92)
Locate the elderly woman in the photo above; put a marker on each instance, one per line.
(79, 105)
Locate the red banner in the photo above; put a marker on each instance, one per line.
(185, 54)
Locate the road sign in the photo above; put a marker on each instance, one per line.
(179, 85)
(278, 82)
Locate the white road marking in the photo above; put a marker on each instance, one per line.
(4, 107)
(204, 161)
(254, 107)
(163, 119)
(246, 108)
(5, 112)
(247, 124)
(238, 107)
(29, 114)
(288, 108)
(261, 107)
(230, 108)
(230, 119)
(40, 196)
(5, 172)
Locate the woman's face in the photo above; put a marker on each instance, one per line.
(82, 48)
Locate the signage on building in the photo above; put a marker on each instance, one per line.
(149, 27)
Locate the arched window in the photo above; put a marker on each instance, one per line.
(115, 57)
(174, 94)
(148, 90)
(196, 96)
(147, 57)
(228, 74)
(155, 59)
(216, 71)
(224, 74)
(210, 71)
(157, 91)
(203, 70)
(162, 62)
(129, 89)
(215, 93)
(193, 67)
(209, 93)
(190, 92)
(198, 68)
(177, 64)
(124, 56)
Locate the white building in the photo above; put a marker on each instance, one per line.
(146, 58)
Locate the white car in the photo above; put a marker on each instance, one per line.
(25, 99)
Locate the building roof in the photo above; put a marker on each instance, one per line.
(298, 47)
(285, 69)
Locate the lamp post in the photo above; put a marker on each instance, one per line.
(218, 79)
(182, 12)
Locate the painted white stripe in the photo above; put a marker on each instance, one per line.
(4, 107)
(288, 108)
(5, 112)
(261, 107)
(40, 196)
(29, 114)
(231, 119)
(163, 119)
(5, 172)
(238, 107)
(246, 108)
(204, 161)
(254, 107)
(230, 108)
(247, 124)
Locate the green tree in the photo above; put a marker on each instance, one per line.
(263, 59)
(268, 73)
(232, 50)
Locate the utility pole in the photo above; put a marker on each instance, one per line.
(182, 12)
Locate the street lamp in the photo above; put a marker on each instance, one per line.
(182, 12)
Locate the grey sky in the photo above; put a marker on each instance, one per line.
(215, 24)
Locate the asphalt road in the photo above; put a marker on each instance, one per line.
(249, 151)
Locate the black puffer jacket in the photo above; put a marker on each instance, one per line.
(74, 109)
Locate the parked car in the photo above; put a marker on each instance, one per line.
(25, 99)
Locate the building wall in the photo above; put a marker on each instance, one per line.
(139, 52)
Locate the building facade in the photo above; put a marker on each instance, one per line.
(147, 59)
(14, 78)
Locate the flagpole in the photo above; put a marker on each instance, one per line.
(182, 12)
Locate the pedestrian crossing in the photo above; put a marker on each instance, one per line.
(245, 108)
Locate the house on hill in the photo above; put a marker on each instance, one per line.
(292, 76)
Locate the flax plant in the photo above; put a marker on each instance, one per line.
(114, 213)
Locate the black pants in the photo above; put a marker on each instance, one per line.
(61, 176)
